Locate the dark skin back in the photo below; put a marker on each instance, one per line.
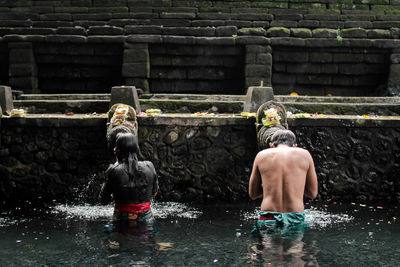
(125, 190)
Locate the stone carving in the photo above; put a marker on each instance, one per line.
(268, 124)
(121, 119)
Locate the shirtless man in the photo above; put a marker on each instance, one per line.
(281, 176)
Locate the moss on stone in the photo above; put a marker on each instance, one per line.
(252, 31)
(353, 33)
(278, 32)
(378, 33)
(301, 32)
(324, 33)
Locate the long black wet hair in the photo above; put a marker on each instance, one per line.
(127, 151)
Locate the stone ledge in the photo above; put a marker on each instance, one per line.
(61, 120)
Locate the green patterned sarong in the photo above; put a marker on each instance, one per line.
(282, 223)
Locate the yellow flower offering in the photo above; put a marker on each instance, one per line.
(271, 117)
(152, 112)
(19, 113)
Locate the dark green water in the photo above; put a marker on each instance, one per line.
(217, 235)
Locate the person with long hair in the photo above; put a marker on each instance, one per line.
(130, 183)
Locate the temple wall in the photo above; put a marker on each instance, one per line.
(311, 47)
(196, 158)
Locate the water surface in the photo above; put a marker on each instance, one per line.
(208, 235)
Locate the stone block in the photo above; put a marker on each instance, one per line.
(206, 74)
(255, 40)
(280, 56)
(258, 49)
(301, 32)
(186, 40)
(24, 83)
(22, 70)
(353, 33)
(314, 79)
(56, 16)
(288, 41)
(379, 34)
(348, 57)
(256, 96)
(252, 31)
(324, 33)
(378, 58)
(173, 15)
(256, 81)
(282, 78)
(308, 24)
(263, 24)
(254, 16)
(342, 80)
(303, 68)
(239, 23)
(226, 31)
(264, 58)
(284, 23)
(136, 55)
(279, 67)
(143, 38)
(256, 70)
(394, 80)
(21, 56)
(353, 69)
(321, 57)
(125, 95)
(143, 29)
(278, 32)
(215, 41)
(190, 31)
(6, 100)
(329, 68)
(358, 24)
(207, 23)
(139, 84)
(105, 30)
(92, 16)
(136, 70)
(172, 22)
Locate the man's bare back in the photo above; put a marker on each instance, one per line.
(282, 176)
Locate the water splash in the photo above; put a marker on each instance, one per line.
(161, 210)
(314, 218)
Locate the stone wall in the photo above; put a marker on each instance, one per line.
(197, 158)
(336, 71)
(359, 161)
(358, 32)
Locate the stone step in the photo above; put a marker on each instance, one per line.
(63, 106)
(336, 99)
(192, 103)
(384, 109)
(64, 97)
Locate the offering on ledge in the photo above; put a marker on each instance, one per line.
(19, 113)
(271, 117)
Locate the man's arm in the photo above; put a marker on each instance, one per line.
(311, 188)
(255, 189)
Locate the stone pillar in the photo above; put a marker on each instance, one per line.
(22, 67)
(256, 96)
(6, 100)
(393, 87)
(136, 65)
(258, 65)
(125, 95)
